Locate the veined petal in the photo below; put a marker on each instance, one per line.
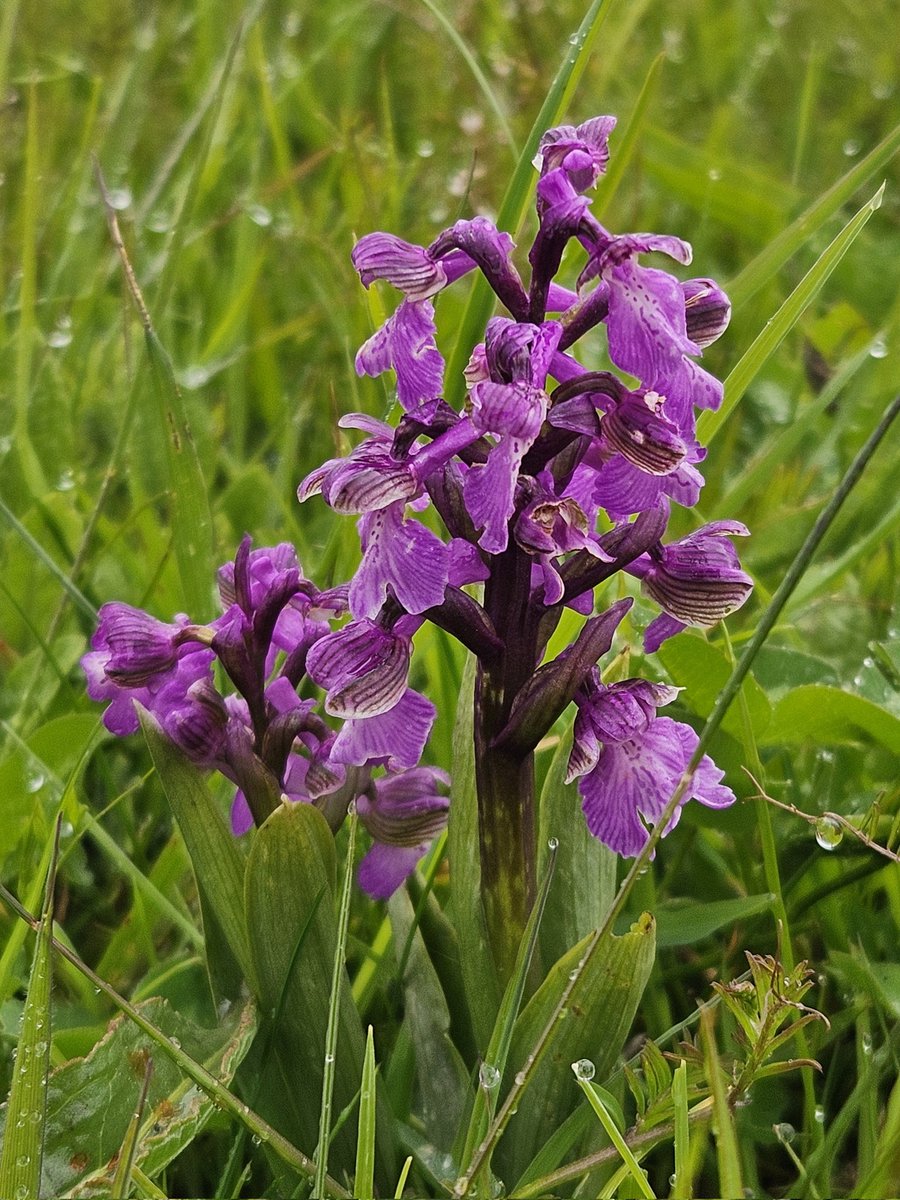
(407, 267)
(406, 343)
(400, 554)
(385, 868)
(396, 737)
(707, 311)
(362, 667)
(639, 430)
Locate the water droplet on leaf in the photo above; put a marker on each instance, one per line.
(488, 1076)
(552, 843)
(584, 1070)
(784, 1131)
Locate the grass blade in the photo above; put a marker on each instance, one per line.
(479, 76)
(608, 184)
(775, 330)
(614, 1134)
(191, 519)
(401, 1182)
(788, 242)
(334, 1006)
(23, 1142)
(515, 202)
(681, 1188)
(122, 1182)
(727, 1153)
(364, 1180)
(43, 557)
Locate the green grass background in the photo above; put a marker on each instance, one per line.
(245, 147)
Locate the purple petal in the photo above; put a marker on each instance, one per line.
(385, 868)
(659, 630)
(407, 267)
(707, 311)
(241, 816)
(402, 555)
(406, 343)
(396, 737)
(363, 667)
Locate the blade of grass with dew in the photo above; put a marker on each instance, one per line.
(364, 1178)
(612, 1131)
(191, 520)
(727, 1153)
(224, 1099)
(44, 558)
(764, 628)
(775, 330)
(608, 184)
(497, 1053)
(334, 1004)
(788, 242)
(515, 201)
(122, 1182)
(27, 333)
(477, 74)
(23, 1142)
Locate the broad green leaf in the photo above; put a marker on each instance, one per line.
(780, 668)
(594, 1026)
(702, 669)
(217, 861)
(816, 712)
(293, 932)
(776, 329)
(25, 1134)
(585, 875)
(479, 975)
(90, 1100)
(443, 1081)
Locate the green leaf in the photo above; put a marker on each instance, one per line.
(293, 934)
(90, 1101)
(595, 1025)
(776, 329)
(614, 1134)
(727, 1152)
(364, 1179)
(702, 669)
(25, 1135)
(215, 857)
(585, 874)
(443, 1081)
(479, 975)
(684, 922)
(818, 713)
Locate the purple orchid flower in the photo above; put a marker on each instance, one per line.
(629, 761)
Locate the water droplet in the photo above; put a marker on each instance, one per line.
(192, 378)
(259, 215)
(23, 1192)
(820, 1114)
(425, 148)
(329, 1058)
(65, 483)
(851, 147)
(256, 1140)
(584, 1070)
(61, 336)
(882, 89)
(562, 1014)
(488, 1076)
(878, 349)
(865, 1043)
(23, 1160)
(552, 844)
(119, 198)
(36, 1117)
(34, 781)
(573, 974)
(66, 829)
(175, 1042)
(829, 834)
(520, 1078)
(714, 174)
(784, 1131)
(5, 444)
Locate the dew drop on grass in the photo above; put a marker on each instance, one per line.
(584, 1070)
(878, 349)
(552, 844)
(820, 1114)
(259, 215)
(866, 1043)
(784, 1131)
(829, 834)
(488, 1076)
(119, 198)
(34, 781)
